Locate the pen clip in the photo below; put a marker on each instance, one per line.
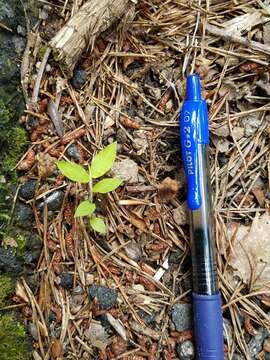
(193, 131)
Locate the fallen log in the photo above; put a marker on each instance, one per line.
(80, 32)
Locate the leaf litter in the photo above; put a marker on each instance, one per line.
(128, 87)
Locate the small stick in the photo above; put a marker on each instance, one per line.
(39, 76)
(227, 36)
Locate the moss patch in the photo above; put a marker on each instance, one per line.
(21, 240)
(6, 289)
(13, 340)
(14, 148)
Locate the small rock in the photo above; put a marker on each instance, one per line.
(8, 262)
(73, 152)
(223, 145)
(107, 297)
(258, 184)
(97, 335)
(180, 214)
(256, 343)
(27, 190)
(182, 316)
(66, 280)
(121, 136)
(251, 124)
(78, 290)
(54, 201)
(33, 248)
(108, 133)
(175, 256)
(23, 214)
(79, 78)
(222, 131)
(147, 318)
(140, 142)
(31, 124)
(33, 281)
(89, 279)
(133, 251)
(127, 170)
(33, 331)
(238, 132)
(227, 331)
(21, 30)
(222, 159)
(185, 350)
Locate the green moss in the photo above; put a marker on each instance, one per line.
(8, 130)
(19, 141)
(41, 51)
(13, 339)
(6, 289)
(21, 240)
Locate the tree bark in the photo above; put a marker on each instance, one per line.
(80, 32)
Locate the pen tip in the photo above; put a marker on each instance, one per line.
(193, 87)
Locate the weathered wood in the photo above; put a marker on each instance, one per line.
(228, 36)
(83, 28)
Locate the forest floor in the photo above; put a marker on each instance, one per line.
(127, 295)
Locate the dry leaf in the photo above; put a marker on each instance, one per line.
(56, 348)
(180, 214)
(21, 293)
(137, 221)
(250, 257)
(168, 189)
(260, 196)
(9, 241)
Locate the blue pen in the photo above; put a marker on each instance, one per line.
(194, 136)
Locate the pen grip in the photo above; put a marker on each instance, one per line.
(208, 326)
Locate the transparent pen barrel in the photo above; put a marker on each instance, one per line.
(202, 235)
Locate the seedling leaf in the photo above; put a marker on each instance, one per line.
(106, 185)
(98, 225)
(73, 171)
(103, 161)
(85, 208)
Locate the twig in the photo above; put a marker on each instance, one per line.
(227, 36)
(39, 76)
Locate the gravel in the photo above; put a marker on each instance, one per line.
(133, 251)
(181, 315)
(23, 214)
(126, 170)
(107, 297)
(66, 280)
(185, 350)
(78, 79)
(73, 152)
(149, 319)
(54, 201)
(8, 262)
(27, 190)
(256, 343)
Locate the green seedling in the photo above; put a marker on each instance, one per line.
(99, 166)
